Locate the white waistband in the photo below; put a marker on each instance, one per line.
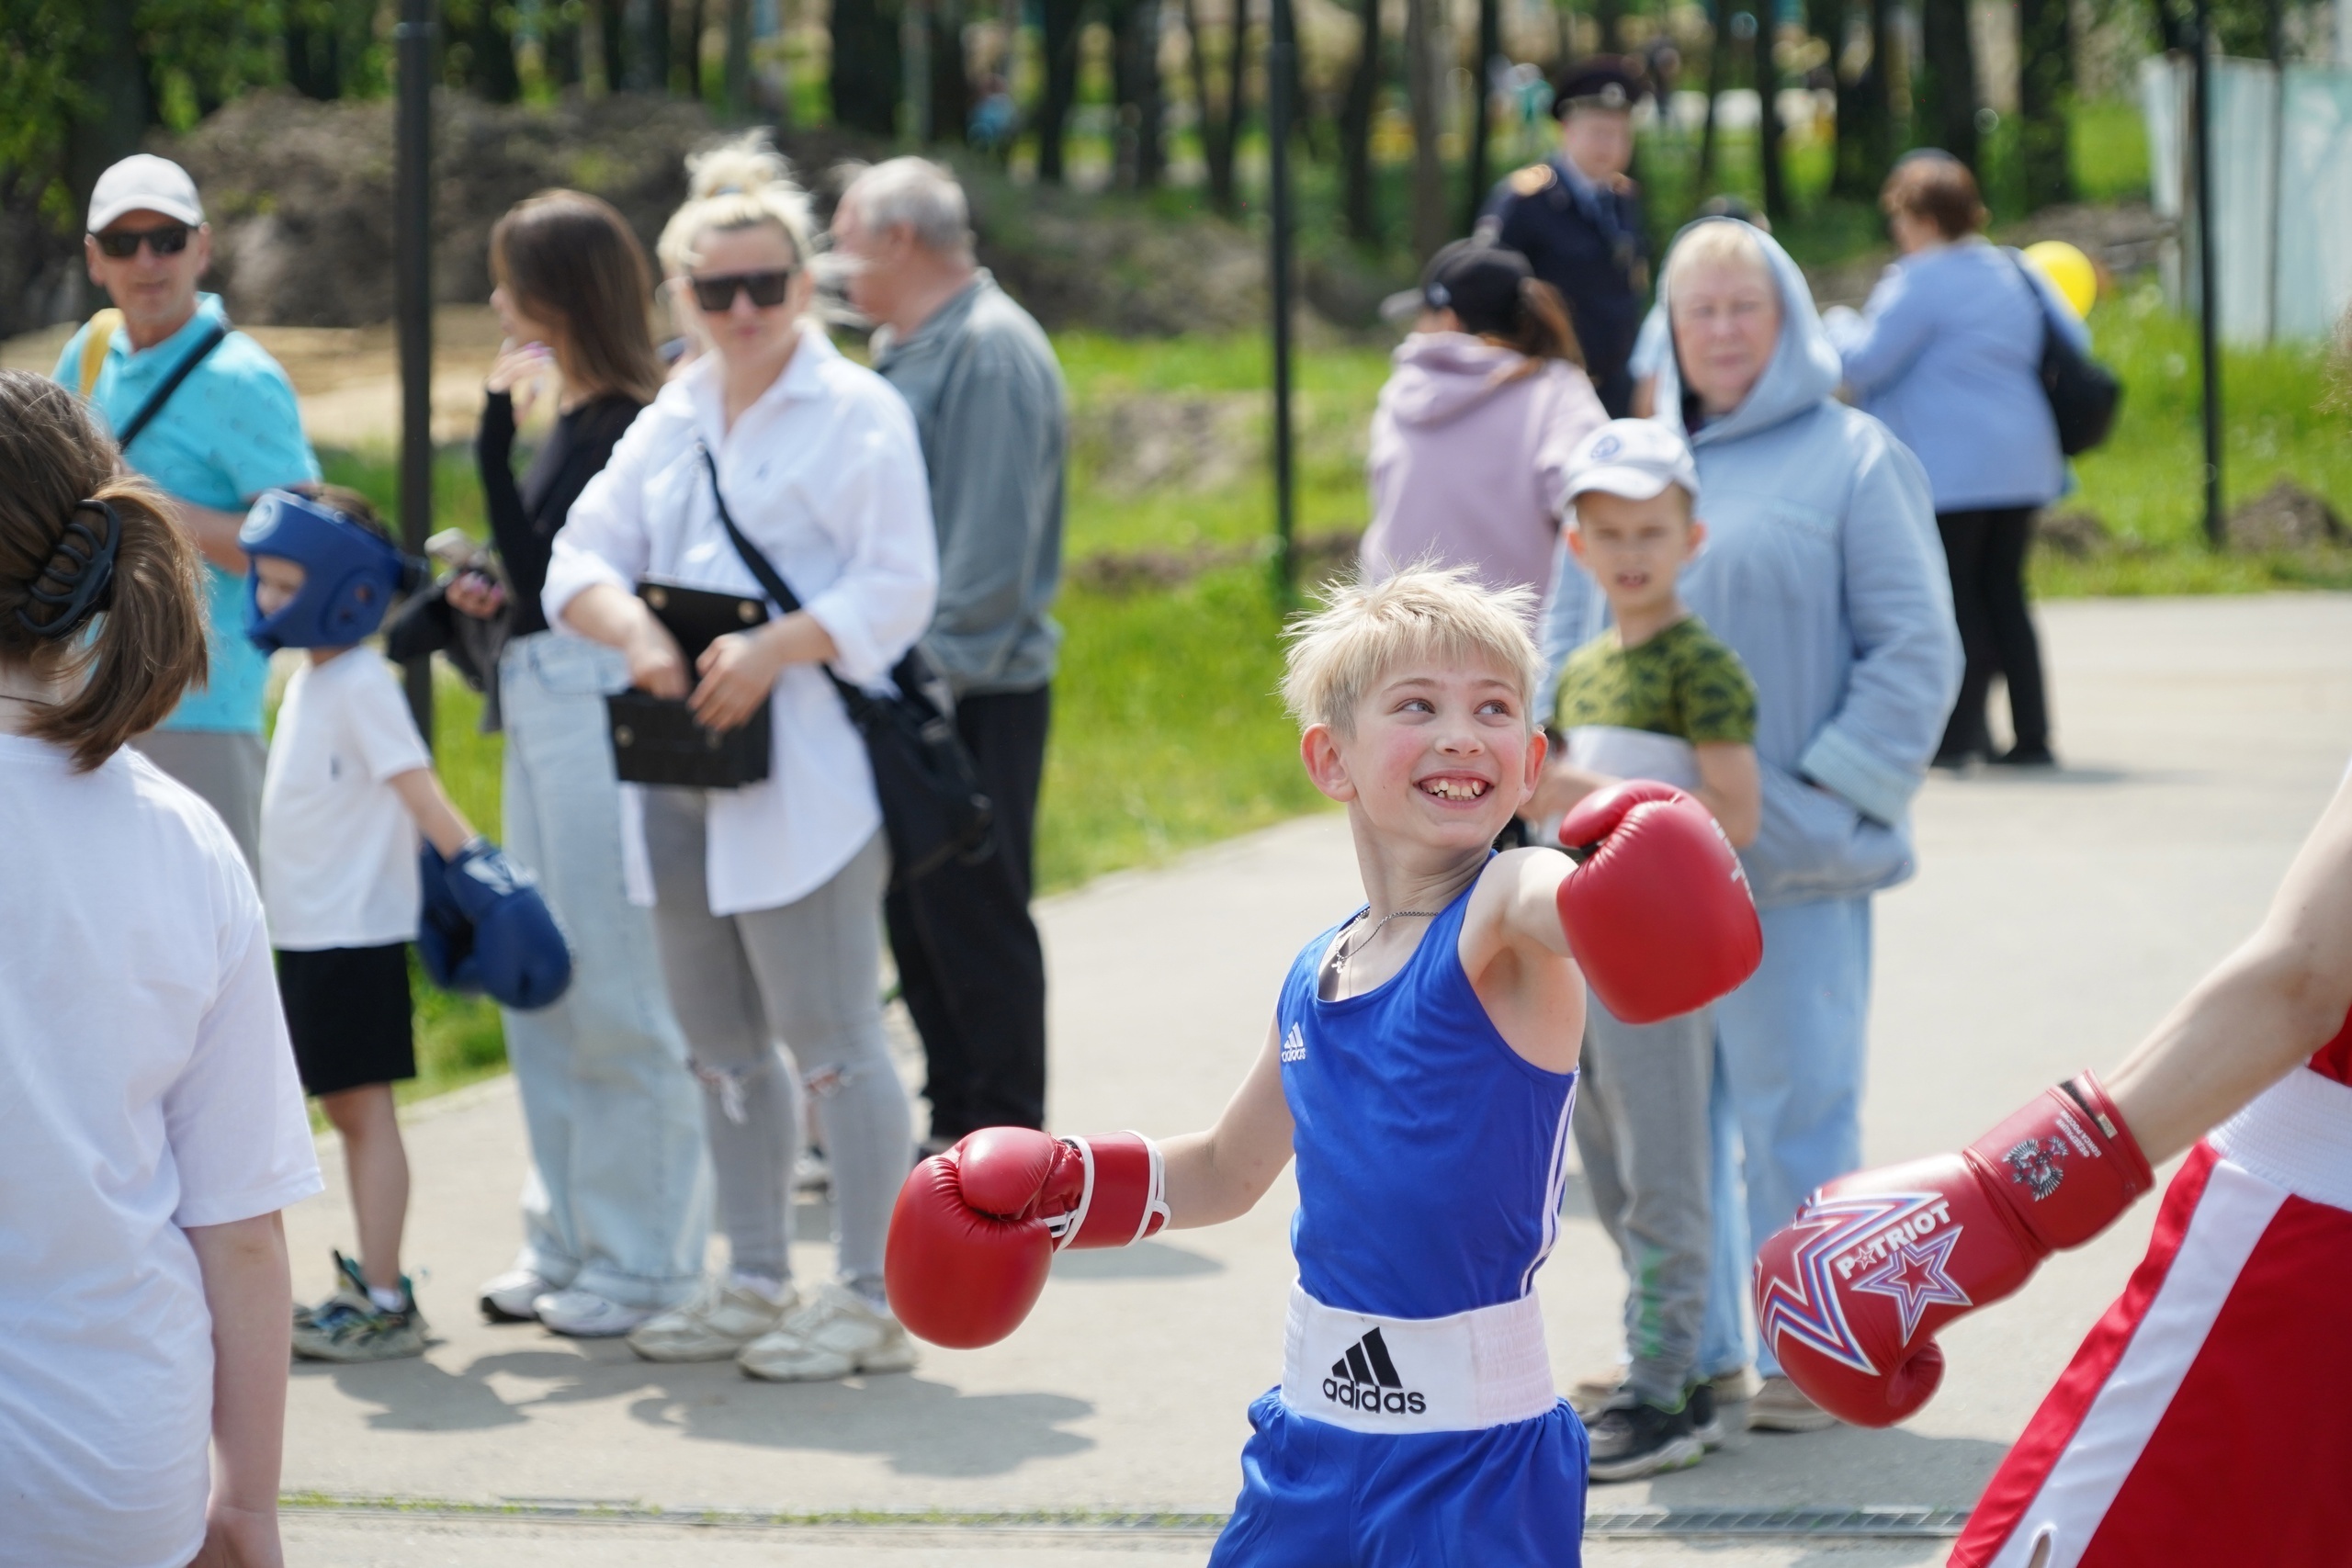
(1486, 1367)
(2296, 1134)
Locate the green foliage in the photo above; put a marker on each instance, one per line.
(2109, 144)
(2148, 486)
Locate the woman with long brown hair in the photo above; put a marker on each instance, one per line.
(152, 1127)
(616, 1210)
(1471, 441)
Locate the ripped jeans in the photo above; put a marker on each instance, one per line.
(776, 1003)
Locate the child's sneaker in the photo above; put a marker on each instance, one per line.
(1596, 1391)
(348, 1284)
(836, 1335)
(350, 1327)
(1631, 1440)
(722, 1318)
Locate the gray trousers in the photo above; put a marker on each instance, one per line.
(806, 977)
(224, 767)
(1641, 1126)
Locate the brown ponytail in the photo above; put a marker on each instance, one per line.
(129, 656)
(1540, 331)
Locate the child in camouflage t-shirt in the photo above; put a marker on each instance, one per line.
(1656, 697)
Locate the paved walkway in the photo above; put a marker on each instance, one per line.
(2054, 919)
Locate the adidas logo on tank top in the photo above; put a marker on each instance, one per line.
(1293, 1045)
(1365, 1379)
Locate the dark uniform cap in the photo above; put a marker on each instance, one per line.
(1601, 82)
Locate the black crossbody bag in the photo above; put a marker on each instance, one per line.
(2084, 394)
(658, 740)
(933, 806)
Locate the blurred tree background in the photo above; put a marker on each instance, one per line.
(1409, 109)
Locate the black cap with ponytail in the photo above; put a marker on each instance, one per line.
(98, 588)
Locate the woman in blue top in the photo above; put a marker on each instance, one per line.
(1948, 355)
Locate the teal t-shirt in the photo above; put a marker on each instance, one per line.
(231, 431)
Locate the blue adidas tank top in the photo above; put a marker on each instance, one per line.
(1431, 1154)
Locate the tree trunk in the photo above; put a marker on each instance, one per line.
(735, 77)
(1766, 74)
(313, 53)
(1885, 133)
(1062, 19)
(1217, 156)
(865, 70)
(1424, 78)
(117, 100)
(1719, 47)
(1357, 203)
(1136, 74)
(1951, 59)
(1854, 171)
(1608, 22)
(2045, 84)
(1490, 52)
(685, 50)
(492, 75)
(602, 32)
(951, 88)
(1237, 100)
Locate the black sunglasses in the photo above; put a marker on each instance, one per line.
(766, 288)
(166, 240)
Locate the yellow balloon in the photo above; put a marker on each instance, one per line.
(2073, 272)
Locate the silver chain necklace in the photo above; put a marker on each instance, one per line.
(1341, 952)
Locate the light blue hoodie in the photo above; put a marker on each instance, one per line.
(1823, 571)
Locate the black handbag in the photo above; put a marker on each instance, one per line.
(933, 806)
(2084, 394)
(658, 740)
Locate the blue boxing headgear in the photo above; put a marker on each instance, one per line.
(349, 574)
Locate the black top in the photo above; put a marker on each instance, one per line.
(1587, 242)
(524, 520)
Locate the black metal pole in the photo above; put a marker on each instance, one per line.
(413, 287)
(1281, 48)
(1490, 49)
(2209, 303)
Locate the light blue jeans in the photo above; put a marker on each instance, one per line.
(618, 1201)
(1786, 1104)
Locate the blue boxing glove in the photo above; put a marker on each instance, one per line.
(510, 945)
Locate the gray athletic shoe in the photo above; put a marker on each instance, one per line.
(722, 1318)
(1631, 1440)
(836, 1335)
(1783, 1406)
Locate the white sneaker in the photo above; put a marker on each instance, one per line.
(508, 1298)
(585, 1314)
(836, 1335)
(721, 1319)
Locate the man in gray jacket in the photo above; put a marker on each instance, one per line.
(987, 402)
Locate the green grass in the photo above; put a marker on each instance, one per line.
(2146, 483)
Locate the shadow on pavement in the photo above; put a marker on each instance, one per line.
(918, 1427)
(1806, 1470)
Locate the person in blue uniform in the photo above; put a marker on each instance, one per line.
(1577, 220)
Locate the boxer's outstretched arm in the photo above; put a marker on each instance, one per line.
(1219, 1175)
(2269, 1005)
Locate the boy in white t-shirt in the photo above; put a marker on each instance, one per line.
(150, 1126)
(349, 786)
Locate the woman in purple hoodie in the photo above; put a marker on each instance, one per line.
(1471, 441)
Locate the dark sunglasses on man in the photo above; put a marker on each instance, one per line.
(164, 240)
(767, 288)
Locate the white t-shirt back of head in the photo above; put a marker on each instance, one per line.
(146, 1085)
(338, 848)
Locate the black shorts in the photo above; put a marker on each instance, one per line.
(347, 1009)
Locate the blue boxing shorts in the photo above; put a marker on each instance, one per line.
(1379, 1449)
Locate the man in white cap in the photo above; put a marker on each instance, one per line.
(208, 415)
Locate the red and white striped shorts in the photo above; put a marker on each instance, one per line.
(2207, 1418)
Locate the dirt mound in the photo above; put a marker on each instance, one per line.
(301, 193)
(2284, 517)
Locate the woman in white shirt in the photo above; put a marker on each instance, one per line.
(767, 898)
(151, 1125)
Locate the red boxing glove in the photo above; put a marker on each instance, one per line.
(976, 1229)
(1657, 911)
(1851, 1295)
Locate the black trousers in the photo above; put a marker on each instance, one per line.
(1987, 553)
(970, 962)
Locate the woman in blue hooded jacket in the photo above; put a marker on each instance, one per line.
(1823, 571)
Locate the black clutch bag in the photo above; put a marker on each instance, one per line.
(657, 740)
